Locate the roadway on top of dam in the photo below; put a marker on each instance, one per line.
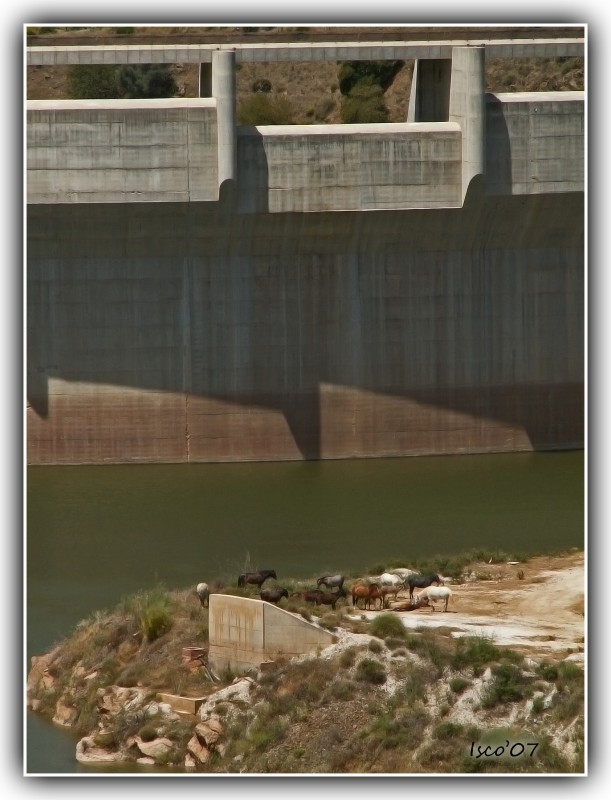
(172, 53)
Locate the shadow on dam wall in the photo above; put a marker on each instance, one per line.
(368, 333)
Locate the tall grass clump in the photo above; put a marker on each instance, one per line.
(152, 611)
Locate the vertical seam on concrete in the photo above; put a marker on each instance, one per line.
(186, 346)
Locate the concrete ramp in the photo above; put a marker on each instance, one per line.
(245, 632)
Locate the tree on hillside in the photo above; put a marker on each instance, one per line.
(146, 80)
(107, 82)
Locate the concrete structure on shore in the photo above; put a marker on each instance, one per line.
(198, 291)
(245, 632)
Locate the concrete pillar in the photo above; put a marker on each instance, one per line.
(205, 79)
(429, 99)
(223, 90)
(468, 109)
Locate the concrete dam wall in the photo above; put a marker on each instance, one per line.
(200, 292)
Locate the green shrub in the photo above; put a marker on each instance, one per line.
(388, 625)
(262, 85)
(106, 739)
(371, 671)
(329, 621)
(475, 650)
(404, 729)
(148, 733)
(548, 672)
(375, 646)
(93, 82)
(380, 73)
(447, 730)
(152, 612)
(146, 80)
(364, 104)
(509, 685)
(347, 658)
(458, 685)
(260, 109)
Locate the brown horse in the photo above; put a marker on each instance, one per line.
(369, 594)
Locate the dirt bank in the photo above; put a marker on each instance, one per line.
(540, 614)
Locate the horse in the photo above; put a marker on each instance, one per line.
(320, 597)
(411, 605)
(312, 596)
(331, 581)
(390, 579)
(274, 595)
(257, 578)
(369, 593)
(387, 591)
(330, 598)
(417, 582)
(203, 592)
(434, 593)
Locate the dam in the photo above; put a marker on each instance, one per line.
(199, 291)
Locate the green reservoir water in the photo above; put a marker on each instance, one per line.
(97, 533)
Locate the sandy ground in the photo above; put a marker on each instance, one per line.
(540, 614)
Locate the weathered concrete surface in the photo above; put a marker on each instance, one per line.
(169, 151)
(302, 51)
(286, 168)
(244, 632)
(104, 151)
(176, 332)
(535, 142)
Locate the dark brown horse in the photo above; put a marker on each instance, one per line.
(257, 578)
(320, 597)
(330, 598)
(274, 595)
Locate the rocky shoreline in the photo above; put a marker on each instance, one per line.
(377, 685)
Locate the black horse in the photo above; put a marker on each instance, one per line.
(257, 578)
(419, 582)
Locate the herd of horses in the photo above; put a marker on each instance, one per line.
(371, 592)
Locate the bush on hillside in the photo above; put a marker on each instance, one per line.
(93, 82)
(146, 81)
(364, 104)
(260, 109)
(379, 73)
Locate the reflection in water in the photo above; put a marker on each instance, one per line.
(97, 533)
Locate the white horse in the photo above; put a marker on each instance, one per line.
(390, 579)
(203, 592)
(403, 572)
(434, 593)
